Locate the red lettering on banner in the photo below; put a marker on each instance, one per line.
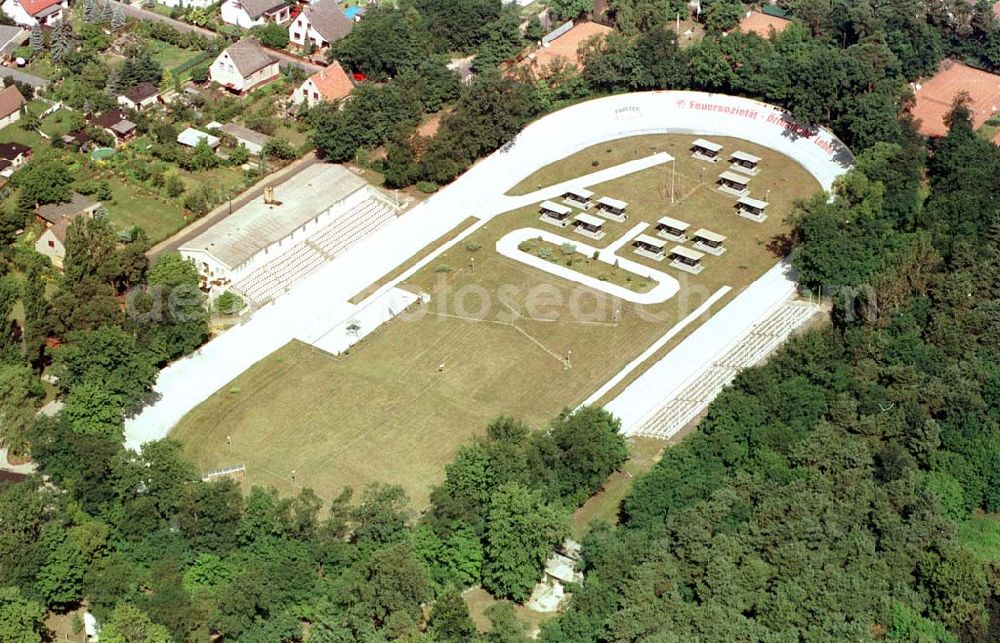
(771, 119)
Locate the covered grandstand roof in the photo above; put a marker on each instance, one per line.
(257, 225)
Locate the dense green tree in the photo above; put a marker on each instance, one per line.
(387, 42)
(20, 394)
(44, 179)
(450, 621)
(37, 323)
(521, 532)
(21, 619)
(139, 67)
(130, 625)
(458, 25)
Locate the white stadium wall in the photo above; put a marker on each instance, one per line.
(323, 297)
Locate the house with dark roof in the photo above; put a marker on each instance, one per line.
(12, 156)
(10, 39)
(329, 85)
(78, 140)
(252, 140)
(115, 123)
(57, 218)
(11, 102)
(320, 23)
(29, 13)
(249, 13)
(139, 97)
(244, 66)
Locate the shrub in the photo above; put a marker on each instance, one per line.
(427, 187)
(568, 248)
(472, 246)
(229, 303)
(443, 268)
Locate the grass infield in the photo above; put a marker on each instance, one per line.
(389, 412)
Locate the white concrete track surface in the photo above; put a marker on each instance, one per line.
(666, 287)
(679, 386)
(322, 299)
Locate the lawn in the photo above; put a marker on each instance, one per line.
(130, 206)
(980, 534)
(58, 123)
(168, 55)
(387, 412)
(14, 134)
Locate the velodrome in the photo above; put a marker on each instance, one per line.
(321, 302)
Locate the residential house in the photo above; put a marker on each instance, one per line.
(561, 48)
(29, 13)
(11, 102)
(115, 123)
(249, 13)
(12, 156)
(78, 140)
(320, 23)
(248, 138)
(244, 66)
(191, 137)
(139, 97)
(329, 85)
(10, 39)
(57, 218)
(188, 4)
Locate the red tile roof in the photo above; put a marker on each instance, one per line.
(34, 6)
(565, 47)
(10, 101)
(762, 24)
(332, 82)
(936, 96)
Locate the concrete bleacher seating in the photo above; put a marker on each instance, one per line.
(680, 408)
(310, 254)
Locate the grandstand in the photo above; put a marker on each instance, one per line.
(274, 278)
(270, 244)
(680, 408)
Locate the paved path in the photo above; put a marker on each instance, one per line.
(323, 298)
(666, 287)
(35, 81)
(151, 16)
(26, 469)
(193, 230)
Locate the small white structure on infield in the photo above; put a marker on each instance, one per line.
(752, 209)
(735, 184)
(589, 226)
(555, 214)
(612, 209)
(705, 150)
(686, 259)
(672, 229)
(710, 242)
(744, 162)
(579, 197)
(649, 247)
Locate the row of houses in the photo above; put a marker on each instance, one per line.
(246, 65)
